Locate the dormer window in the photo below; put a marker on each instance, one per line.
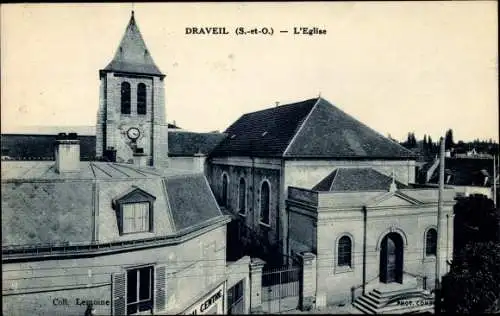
(134, 211)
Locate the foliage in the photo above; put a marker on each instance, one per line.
(476, 220)
(448, 139)
(472, 285)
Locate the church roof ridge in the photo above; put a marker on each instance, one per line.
(132, 54)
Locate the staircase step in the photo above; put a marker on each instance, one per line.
(405, 309)
(401, 295)
(390, 293)
(369, 302)
(365, 309)
(375, 302)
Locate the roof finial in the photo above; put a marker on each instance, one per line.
(319, 94)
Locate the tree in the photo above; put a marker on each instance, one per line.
(448, 140)
(431, 145)
(472, 286)
(476, 220)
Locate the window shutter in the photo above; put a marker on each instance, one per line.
(119, 290)
(160, 290)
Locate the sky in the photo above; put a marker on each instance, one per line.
(398, 67)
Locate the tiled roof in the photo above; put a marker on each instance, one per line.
(89, 170)
(42, 206)
(132, 55)
(54, 212)
(264, 133)
(330, 132)
(309, 129)
(189, 143)
(466, 171)
(191, 200)
(41, 147)
(356, 179)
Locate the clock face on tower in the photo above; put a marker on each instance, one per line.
(133, 133)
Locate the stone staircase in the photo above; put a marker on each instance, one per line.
(395, 298)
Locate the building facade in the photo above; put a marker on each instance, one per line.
(297, 144)
(127, 238)
(368, 231)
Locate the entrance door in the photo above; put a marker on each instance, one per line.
(391, 259)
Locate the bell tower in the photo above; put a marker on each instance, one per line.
(131, 124)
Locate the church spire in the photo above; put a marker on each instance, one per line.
(132, 55)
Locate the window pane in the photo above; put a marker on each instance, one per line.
(344, 251)
(141, 98)
(142, 216)
(145, 283)
(242, 197)
(135, 217)
(131, 286)
(128, 218)
(131, 309)
(264, 203)
(125, 98)
(431, 242)
(224, 190)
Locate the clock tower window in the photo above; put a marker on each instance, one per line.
(125, 98)
(141, 98)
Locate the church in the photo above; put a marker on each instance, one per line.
(149, 207)
(309, 178)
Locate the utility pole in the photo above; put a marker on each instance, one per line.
(495, 166)
(437, 289)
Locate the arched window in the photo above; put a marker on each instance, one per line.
(242, 197)
(125, 97)
(265, 199)
(224, 190)
(141, 98)
(344, 251)
(431, 242)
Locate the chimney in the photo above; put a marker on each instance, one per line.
(199, 161)
(277, 103)
(67, 153)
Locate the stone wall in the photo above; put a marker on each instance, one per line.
(112, 125)
(254, 177)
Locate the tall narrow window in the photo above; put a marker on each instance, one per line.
(125, 97)
(431, 242)
(139, 290)
(242, 197)
(344, 251)
(265, 200)
(224, 190)
(141, 98)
